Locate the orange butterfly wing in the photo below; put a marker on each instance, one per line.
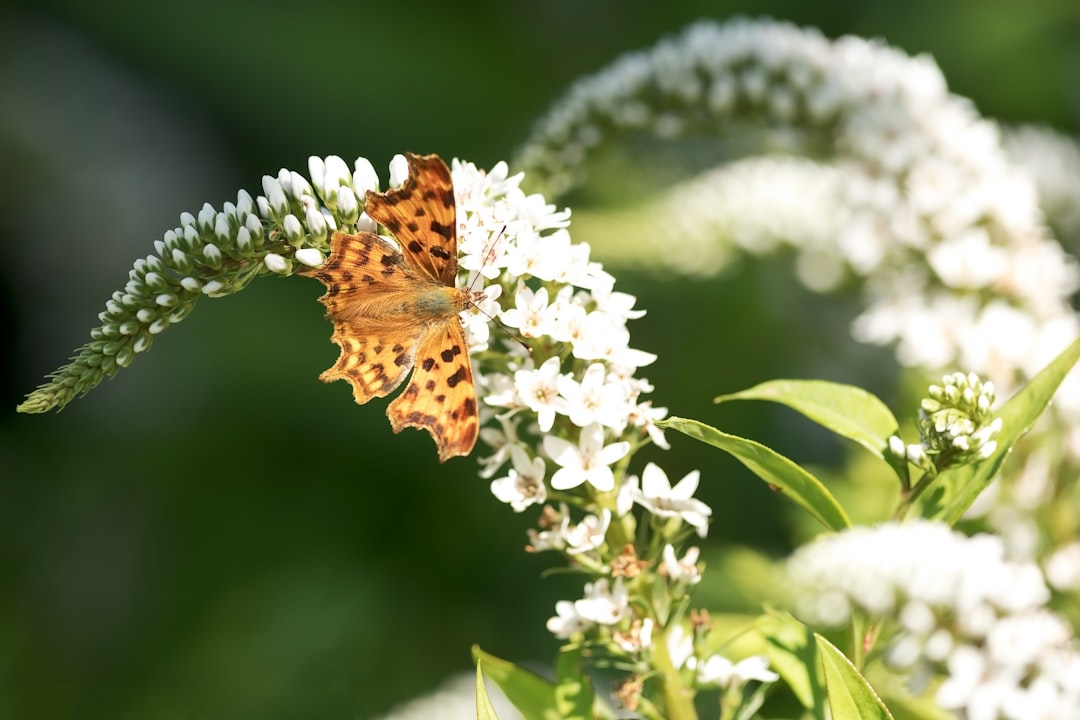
(366, 278)
(395, 310)
(421, 216)
(441, 397)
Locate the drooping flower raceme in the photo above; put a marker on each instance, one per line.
(561, 402)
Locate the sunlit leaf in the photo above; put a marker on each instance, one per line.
(484, 709)
(793, 655)
(850, 696)
(532, 695)
(781, 473)
(845, 409)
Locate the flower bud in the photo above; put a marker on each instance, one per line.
(255, 227)
(348, 209)
(155, 281)
(192, 241)
(244, 205)
(294, 232)
(317, 170)
(212, 288)
(222, 229)
(243, 242)
(181, 261)
(275, 263)
(212, 255)
(309, 256)
(364, 177)
(399, 170)
(206, 217)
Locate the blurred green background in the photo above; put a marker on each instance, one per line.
(216, 534)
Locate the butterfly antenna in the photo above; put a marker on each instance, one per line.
(489, 257)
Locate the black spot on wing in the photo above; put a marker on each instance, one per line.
(447, 231)
(457, 377)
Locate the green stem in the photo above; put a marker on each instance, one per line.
(678, 698)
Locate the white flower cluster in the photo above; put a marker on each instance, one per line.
(570, 375)
(928, 207)
(960, 608)
(927, 204)
(1053, 162)
(569, 379)
(717, 669)
(609, 605)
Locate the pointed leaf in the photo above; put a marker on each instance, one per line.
(850, 696)
(484, 709)
(772, 467)
(532, 695)
(955, 490)
(845, 409)
(794, 656)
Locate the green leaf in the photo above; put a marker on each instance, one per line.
(573, 692)
(794, 657)
(772, 467)
(845, 409)
(532, 695)
(850, 696)
(484, 709)
(955, 489)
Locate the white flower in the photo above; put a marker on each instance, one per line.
(644, 415)
(966, 612)
(567, 620)
(718, 670)
(660, 498)
(552, 535)
(502, 441)
(681, 571)
(524, 486)
(586, 462)
(531, 313)
(477, 319)
(638, 638)
(602, 605)
(1063, 567)
(594, 399)
(624, 500)
(587, 535)
(539, 391)
(603, 339)
(680, 647)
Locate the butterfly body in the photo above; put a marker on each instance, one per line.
(396, 311)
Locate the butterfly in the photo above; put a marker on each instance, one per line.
(397, 310)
